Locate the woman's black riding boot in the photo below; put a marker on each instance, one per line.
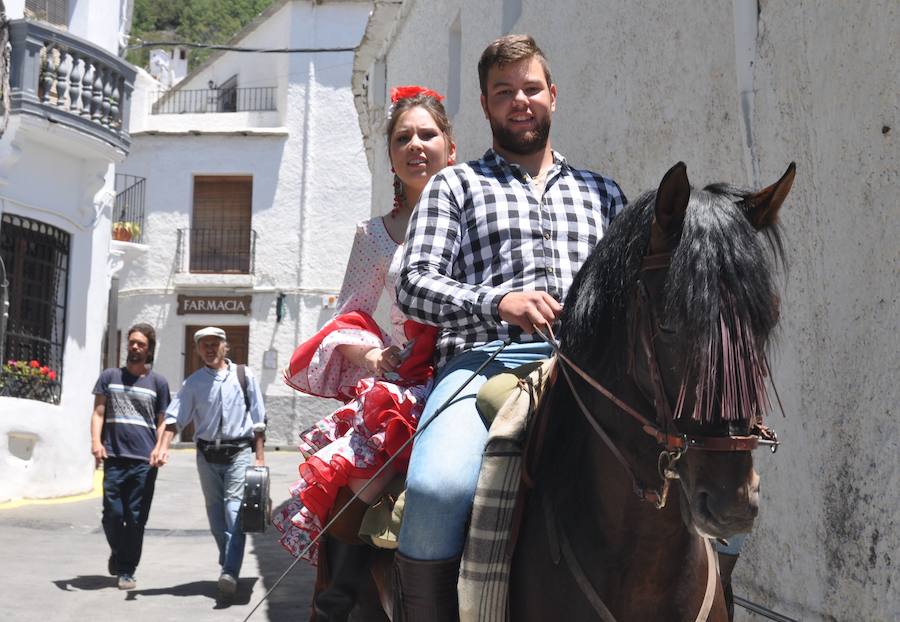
(348, 569)
(425, 591)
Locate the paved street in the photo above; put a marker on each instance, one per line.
(54, 559)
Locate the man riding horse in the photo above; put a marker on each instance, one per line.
(491, 252)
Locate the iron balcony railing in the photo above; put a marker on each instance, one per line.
(128, 210)
(259, 98)
(70, 81)
(216, 251)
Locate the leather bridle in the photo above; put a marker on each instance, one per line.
(664, 431)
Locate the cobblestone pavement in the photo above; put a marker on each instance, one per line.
(54, 559)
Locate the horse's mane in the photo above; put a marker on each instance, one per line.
(720, 296)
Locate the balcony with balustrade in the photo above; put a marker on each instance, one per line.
(70, 82)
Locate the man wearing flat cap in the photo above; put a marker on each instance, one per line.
(224, 402)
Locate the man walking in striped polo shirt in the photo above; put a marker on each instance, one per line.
(129, 408)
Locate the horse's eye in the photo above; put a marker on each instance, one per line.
(665, 327)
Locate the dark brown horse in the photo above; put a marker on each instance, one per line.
(670, 316)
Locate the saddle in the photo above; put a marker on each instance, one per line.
(508, 403)
(513, 398)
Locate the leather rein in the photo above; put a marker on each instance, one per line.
(663, 430)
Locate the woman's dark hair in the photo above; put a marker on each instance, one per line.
(430, 103)
(435, 108)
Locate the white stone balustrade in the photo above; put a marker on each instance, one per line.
(68, 80)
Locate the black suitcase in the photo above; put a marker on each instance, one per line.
(256, 507)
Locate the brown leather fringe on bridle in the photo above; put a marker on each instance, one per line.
(735, 376)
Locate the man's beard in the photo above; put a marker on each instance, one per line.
(136, 357)
(525, 144)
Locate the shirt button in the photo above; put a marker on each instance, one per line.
(550, 270)
(546, 235)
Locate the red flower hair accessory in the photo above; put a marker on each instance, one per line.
(405, 92)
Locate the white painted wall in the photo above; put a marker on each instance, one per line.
(643, 85)
(311, 185)
(44, 448)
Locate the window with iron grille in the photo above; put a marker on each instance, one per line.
(53, 11)
(220, 236)
(36, 256)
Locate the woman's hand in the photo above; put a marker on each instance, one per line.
(380, 361)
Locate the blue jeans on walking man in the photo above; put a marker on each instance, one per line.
(128, 486)
(223, 490)
(446, 458)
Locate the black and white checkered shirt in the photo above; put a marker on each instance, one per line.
(481, 230)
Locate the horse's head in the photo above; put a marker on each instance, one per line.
(688, 278)
(705, 310)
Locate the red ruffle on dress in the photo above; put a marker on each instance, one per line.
(355, 440)
(379, 414)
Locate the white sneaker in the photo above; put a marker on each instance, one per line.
(227, 585)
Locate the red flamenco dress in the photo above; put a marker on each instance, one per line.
(354, 441)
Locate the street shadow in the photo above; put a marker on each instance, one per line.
(87, 583)
(207, 589)
(291, 599)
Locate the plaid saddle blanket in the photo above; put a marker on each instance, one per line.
(508, 399)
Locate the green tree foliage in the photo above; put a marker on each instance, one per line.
(192, 21)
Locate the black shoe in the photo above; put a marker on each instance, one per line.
(112, 566)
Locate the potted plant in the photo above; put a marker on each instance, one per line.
(28, 380)
(125, 231)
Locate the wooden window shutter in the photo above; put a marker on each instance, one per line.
(221, 233)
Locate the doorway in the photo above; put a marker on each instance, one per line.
(238, 338)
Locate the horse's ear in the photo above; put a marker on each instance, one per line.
(672, 198)
(762, 208)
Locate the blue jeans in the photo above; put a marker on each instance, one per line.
(223, 489)
(127, 494)
(446, 458)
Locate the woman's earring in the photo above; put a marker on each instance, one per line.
(398, 195)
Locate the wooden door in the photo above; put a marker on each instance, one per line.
(238, 338)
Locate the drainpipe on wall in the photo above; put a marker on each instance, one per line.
(746, 30)
(111, 355)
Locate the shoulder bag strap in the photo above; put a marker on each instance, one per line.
(242, 380)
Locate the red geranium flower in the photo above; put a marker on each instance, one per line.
(52, 375)
(35, 364)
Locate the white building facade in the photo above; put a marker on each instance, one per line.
(737, 90)
(67, 128)
(255, 177)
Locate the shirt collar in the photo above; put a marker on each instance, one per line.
(225, 370)
(492, 158)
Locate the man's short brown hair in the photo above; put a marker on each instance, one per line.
(506, 50)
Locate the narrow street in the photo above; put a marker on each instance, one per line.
(55, 552)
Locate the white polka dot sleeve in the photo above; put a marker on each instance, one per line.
(366, 269)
